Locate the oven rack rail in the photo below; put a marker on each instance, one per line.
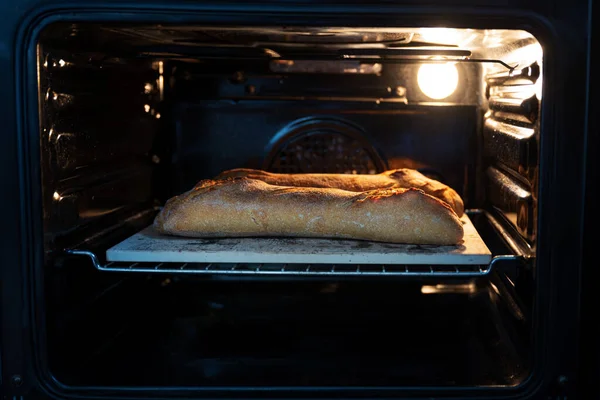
(293, 269)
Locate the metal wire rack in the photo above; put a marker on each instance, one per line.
(278, 269)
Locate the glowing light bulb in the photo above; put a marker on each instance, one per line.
(437, 81)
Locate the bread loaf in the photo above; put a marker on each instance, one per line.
(396, 178)
(245, 207)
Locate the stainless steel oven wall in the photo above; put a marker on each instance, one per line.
(98, 126)
(561, 27)
(511, 137)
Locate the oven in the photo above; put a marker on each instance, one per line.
(112, 108)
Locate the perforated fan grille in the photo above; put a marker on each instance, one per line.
(325, 151)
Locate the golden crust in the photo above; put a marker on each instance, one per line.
(251, 207)
(396, 178)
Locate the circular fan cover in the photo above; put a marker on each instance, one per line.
(323, 145)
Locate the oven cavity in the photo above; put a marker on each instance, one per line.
(134, 114)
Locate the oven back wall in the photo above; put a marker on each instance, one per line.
(239, 114)
(290, 137)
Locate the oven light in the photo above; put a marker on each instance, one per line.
(438, 81)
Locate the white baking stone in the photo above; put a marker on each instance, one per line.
(149, 246)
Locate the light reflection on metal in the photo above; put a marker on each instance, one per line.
(161, 80)
(495, 288)
(467, 288)
(324, 67)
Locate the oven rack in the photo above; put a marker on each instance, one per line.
(294, 269)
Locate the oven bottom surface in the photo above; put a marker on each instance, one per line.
(163, 331)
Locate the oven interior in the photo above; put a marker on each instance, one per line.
(131, 115)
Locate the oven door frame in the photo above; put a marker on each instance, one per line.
(562, 30)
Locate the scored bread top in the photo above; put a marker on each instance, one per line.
(251, 207)
(396, 178)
